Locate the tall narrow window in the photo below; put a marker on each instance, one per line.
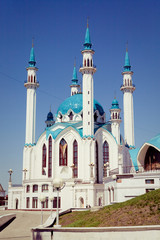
(55, 202)
(75, 159)
(105, 152)
(31, 78)
(63, 153)
(97, 167)
(43, 159)
(50, 157)
(87, 62)
(27, 202)
(28, 78)
(34, 79)
(34, 202)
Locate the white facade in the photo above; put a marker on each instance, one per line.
(84, 150)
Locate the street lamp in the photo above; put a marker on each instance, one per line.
(42, 200)
(25, 171)
(58, 185)
(51, 199)
(10, 174)
(91, 166)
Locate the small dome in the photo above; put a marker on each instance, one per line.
(115, 104)
(75, 103)
(50, 116)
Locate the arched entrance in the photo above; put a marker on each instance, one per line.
(152, 159)
(100, 201)
(81, 202)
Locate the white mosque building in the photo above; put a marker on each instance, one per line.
(82, 147)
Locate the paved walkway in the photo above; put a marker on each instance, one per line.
(20, 228)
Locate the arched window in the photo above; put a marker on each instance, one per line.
(75, 159)
(28, 78)
(87, 62)
(35, 188)
(70, 116)
(91, 63)
(63, 153)
(50, 157)
(31, 78)
(34, 79)
(105, 152)
(115, 115)
(128, 82)
(97, 167)
(43, 159)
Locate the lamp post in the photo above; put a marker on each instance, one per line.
(10, 179)
(25, 171)
(91, 166)
(42, 200)
(51, 199)
(58, 185)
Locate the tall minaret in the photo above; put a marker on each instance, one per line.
(74, 86)
(87, 71)
(31, 84)
(128, 88)
(115, 120)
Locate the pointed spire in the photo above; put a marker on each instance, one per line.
(74, 77)
(127, 66)
(32, 61)
(87, 44)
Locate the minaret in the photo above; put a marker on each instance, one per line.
(74, 86)
(87, 70)
(115, 120)
(31, 84)
(128, 88)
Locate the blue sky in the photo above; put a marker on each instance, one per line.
(58, 28)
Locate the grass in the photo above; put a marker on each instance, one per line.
(142, 210)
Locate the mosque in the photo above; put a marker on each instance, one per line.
(83, 148)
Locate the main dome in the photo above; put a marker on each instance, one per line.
(75, 103)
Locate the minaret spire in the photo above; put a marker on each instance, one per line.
(128, 88)
(87, 71)
(31, 84)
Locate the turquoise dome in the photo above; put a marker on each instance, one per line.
(115, 104)
(75, 103)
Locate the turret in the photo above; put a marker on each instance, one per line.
(74, 86)
(50, 120)
(115, 120)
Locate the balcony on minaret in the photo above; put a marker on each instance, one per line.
(87, 66)
(128, 86)
(31, 82)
